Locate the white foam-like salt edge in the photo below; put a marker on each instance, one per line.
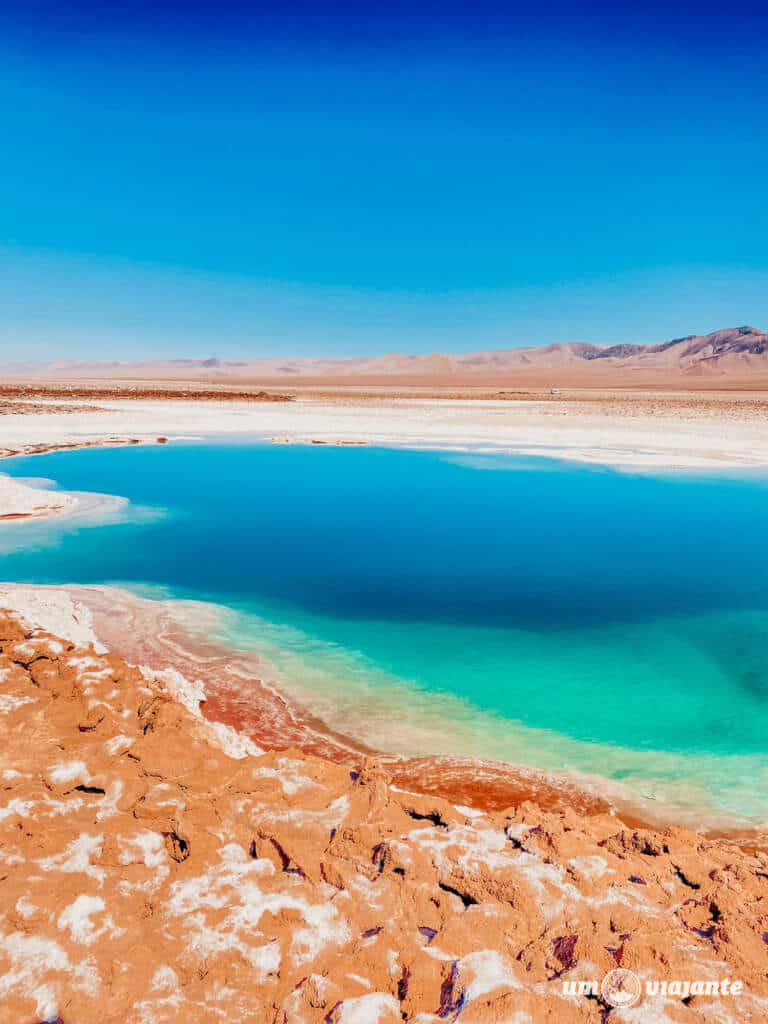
(68, 771)
(30, 959)
(486, 970)
(9, 703)
(191, 694)
(53, 610)
(233, 886)
(76, 918)
(643, 440)
(472, 427)
(682, 807)
(25, 907)
(291, 668)
(86, 509)
(93, 506)
(76, 858)
(24, 498)
(60, 620)
(372, 1008)
(144, 847)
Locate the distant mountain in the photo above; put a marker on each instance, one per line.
(736, 351)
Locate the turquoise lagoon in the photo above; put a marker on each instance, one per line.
(559, 615)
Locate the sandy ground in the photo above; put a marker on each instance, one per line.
(646, 430)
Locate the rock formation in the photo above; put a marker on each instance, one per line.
(157, 867)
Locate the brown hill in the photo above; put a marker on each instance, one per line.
(736, 349)
(738, 352)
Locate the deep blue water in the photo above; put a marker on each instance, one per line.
(568, 615)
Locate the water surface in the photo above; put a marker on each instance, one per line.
(562, 615)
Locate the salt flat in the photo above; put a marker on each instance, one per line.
(636, 432)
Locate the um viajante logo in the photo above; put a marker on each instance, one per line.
(622, 987)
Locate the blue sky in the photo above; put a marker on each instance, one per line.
(216, 180)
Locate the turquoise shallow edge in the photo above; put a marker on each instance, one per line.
(566, 617)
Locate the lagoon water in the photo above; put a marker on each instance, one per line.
(565, 616)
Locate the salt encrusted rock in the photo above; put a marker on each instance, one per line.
(153, 871)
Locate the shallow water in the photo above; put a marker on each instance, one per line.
(560, 615)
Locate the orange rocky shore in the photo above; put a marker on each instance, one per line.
(159, 867)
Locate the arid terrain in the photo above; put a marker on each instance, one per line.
(156, 867)
(692, 402)
(735, 357)
(634, 427)
(170, 850)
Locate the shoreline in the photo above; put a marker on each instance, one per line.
(21, 501)
(28, 450)
(245, 691)
(155, 863)
(489, 785)
(620, 432)
(242, 690)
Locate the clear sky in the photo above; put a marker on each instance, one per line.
(216, 180)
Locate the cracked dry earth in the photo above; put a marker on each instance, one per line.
(156, 867)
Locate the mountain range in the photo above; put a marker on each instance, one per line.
(733, 352)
